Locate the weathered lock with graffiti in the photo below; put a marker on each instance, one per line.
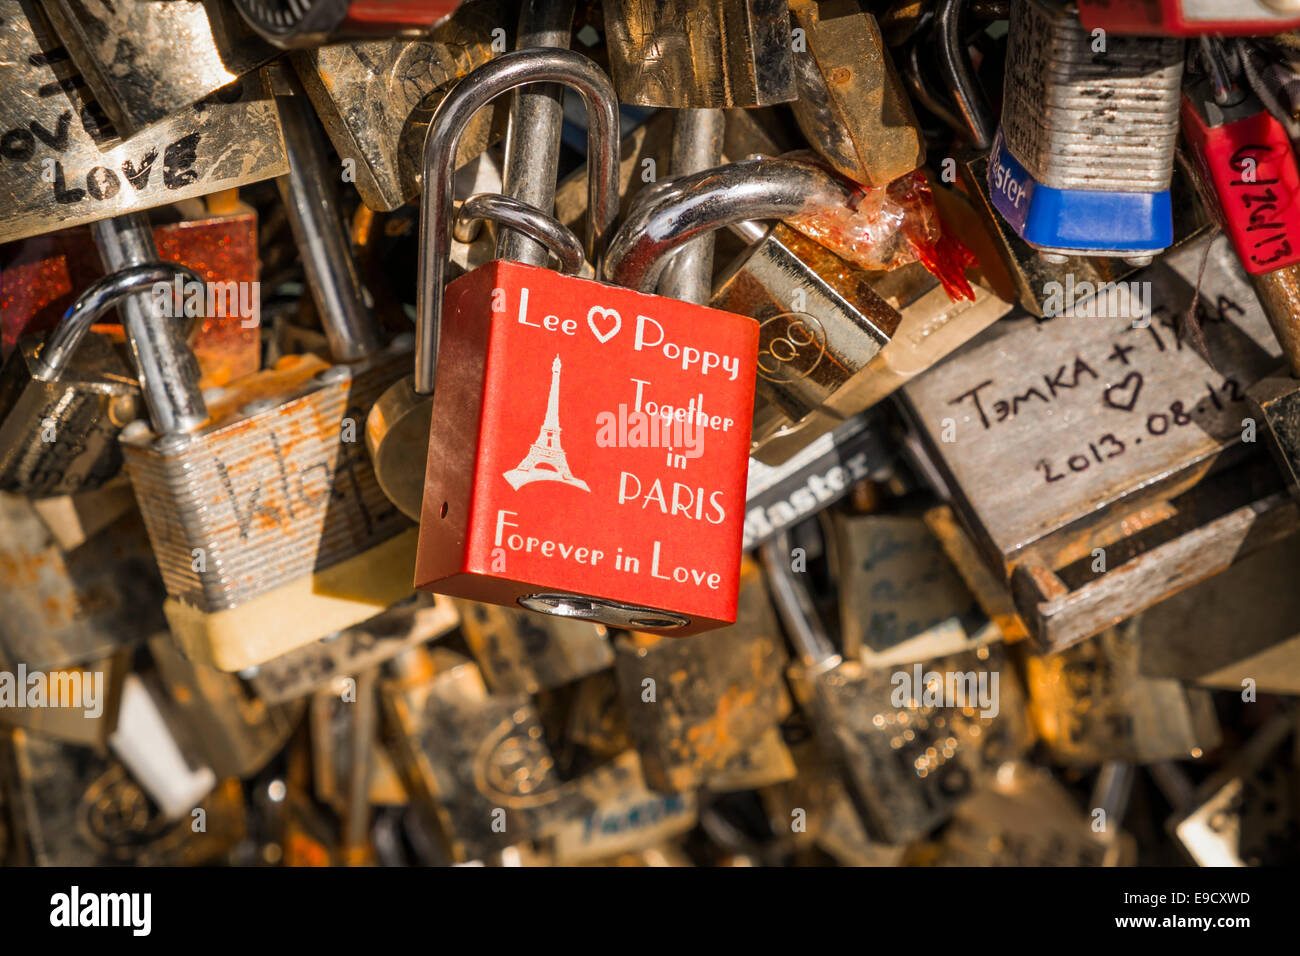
(587, 451)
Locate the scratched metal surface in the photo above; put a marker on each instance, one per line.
(270, 496)
(701, 54)
(1055, 420)
(375, 97)
(62, 164)
(145, 60)
(305, 669)
(58, 608)
(1077, 119)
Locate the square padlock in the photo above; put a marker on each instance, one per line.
(588, 451)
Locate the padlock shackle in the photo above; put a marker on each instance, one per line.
(555, 236)
(795, 608)
(959, 74)
(168, 372)
(675, 211)
(102, 295)
(467, 97)
(316, 221)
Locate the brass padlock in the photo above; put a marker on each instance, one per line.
(145, 61)
(526, 653)
(78, 171)
(308, 669)
(693, 54)
(852, 106)
(701, 709)
(375, 97)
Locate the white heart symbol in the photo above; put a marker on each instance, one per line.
(603, 337)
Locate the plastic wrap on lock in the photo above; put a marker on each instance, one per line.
(885, 227)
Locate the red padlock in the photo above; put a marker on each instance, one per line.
(589, 443)
(1246, 161)
(1189, 18)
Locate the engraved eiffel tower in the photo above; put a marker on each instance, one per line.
(545, 460)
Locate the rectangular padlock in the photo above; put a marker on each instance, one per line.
(417, 620)
(900, 598)
(1090, 704)
(618, 814)
(267, 522)
(820, 321)
(477, 764)
(930, 326)
(144, 61)
(1001, 422)
(779, 496)
(852, 106)
(1024, 817)
(61, 607)
(67, 166)
(908, 742)
(507, 515)
(697, 706)
(1083, 156)
(375, 97)
(519, 652)
(700, 55)
(1188, 18)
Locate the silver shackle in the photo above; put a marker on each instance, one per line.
(168, 372)
(476, 90)
(678, 210)
(97, 299)
(517, 215)
(959, 75)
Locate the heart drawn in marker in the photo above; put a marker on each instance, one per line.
(1118, 395)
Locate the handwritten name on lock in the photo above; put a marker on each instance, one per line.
(604, 437)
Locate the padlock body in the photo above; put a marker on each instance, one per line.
(1247, 163)
(1083, 157)
(1184, 18)
(268, 524)
(1082, 221)
(587, 440)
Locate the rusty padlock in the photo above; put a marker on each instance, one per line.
(507, 511)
